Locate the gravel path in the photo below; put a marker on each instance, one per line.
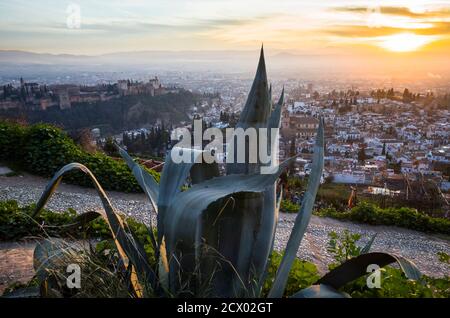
(421, 248)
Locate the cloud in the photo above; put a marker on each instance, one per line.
(434, 76)
(123, 26)
(397, 11)
(364, 31)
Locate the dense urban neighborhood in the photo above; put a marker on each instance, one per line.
(392, 142)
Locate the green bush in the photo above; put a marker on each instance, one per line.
(333, 194)
(303, 274)
(444, 257)
(46, 149)
(393, 282)
(43, 149)
(343, 246)
(405, 217)
(289, 206)
(11, 139)
(17, 222)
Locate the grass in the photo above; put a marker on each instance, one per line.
(102, 277)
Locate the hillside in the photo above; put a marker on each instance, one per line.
(115, 115)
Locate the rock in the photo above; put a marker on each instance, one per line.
(5, 170)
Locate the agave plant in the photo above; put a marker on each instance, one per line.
(215, 238)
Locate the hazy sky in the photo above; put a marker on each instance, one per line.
(311, 27)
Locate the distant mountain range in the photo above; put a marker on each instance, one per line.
(17, 57)
(27, 63)
(13, 62)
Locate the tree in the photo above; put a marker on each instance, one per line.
(388, 157)
(110, 148)
(407, 96)
(362, 153)
(316, 95)
(383, 152)
(292, 153)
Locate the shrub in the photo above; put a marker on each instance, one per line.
(405, 217)
(393, 284)
(11, 139)
(343, 246)
(43, 149)
(444, 257)
(334, 195)
(47, 149)
(17, 222)
(303, 274)
(289, 206)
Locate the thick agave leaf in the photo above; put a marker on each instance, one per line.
(173, 176)
(263, 243)
(145, 180)
(129, 249)
(274, 121)
(204, 171)
(270, 92)
(302, 219)
(257, 225)
(257, 107)
(26, 292)
(275, 116)
(258, 228)
(357, 267)
(185, 217)
(260, 238)
(369, 244)
(320, 291)
(262, 278)
(148, 185)
(255, 114)
(49, 253)
(83, 219)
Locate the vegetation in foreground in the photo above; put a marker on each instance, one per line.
(97, 259)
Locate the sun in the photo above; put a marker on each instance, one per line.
(404, 42)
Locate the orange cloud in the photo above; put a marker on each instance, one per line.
(399, 11)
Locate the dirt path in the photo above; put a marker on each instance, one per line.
(16, 263)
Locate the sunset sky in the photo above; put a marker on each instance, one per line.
(310, 27)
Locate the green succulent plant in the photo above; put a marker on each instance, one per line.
(214, 239)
